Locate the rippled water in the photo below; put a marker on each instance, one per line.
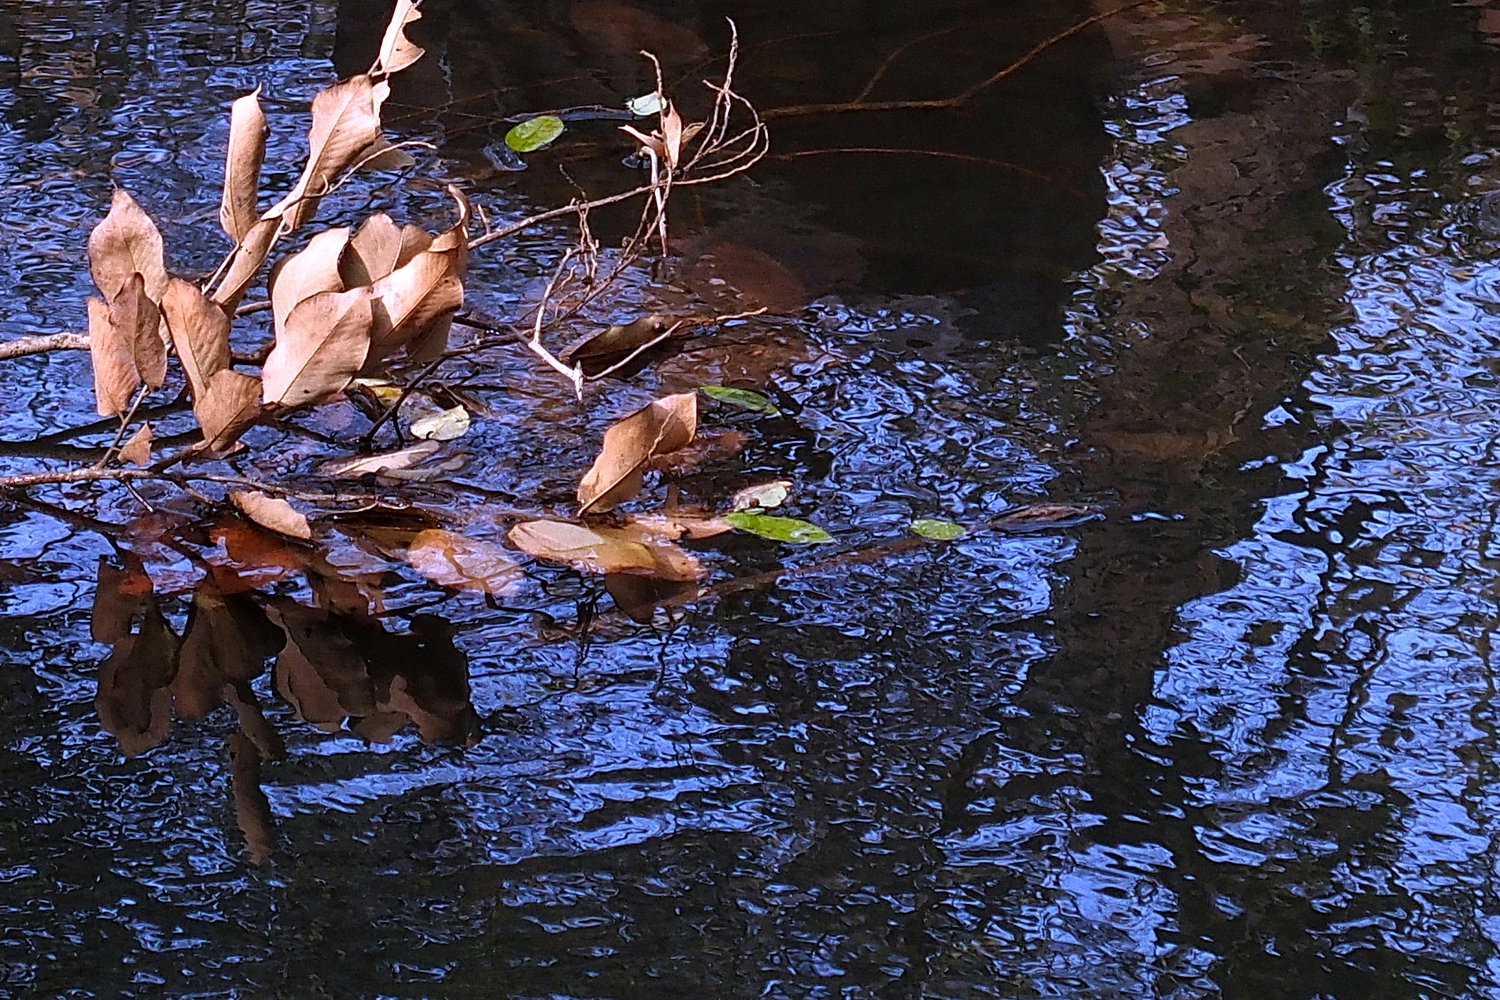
(1233, 737)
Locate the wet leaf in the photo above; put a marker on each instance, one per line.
(414, 305)
(451, 560)
(246, 260)
(200, 333)
(443, 426)
(120, 593)
(304, 274)
(273, 513)
(229, 407)
(390, 461)
(535, 133)
(238, 209)
(604, 550)
(675, 526)
(396, 50)
(763, 495)
(646, 105)
(126, 242)
(137, 448)
(322, 345)
(610, 346)
(706, 448)
(778, 529)
(252, 557)
(638, 597)
(377, 248)
(937, 530)
(743, 398)
(733, 278)
(657, 428)
(345, 123)
(1043, 516)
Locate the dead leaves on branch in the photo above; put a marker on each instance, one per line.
(239, 208)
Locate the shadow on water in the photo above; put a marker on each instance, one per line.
(1218, 268)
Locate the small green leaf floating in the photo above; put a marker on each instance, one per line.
(937, 530)
(534, 133)
(778, 529)
(744, 398)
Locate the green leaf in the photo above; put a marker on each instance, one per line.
(744, 398)
(534, 133)
(778, 529)
(646, 105)
(938, 530)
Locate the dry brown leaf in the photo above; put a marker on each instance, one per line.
(137, 448)
(449, 559)
(346, 122)
(200, 332)
(247, 151)
(230, 406)
(115, 375)
(605, 550)
(138, 319)
(657, 428)
(248, 256)
(126, 242)
(415, 304)
(322, 345)
(273, 513)
(378, 247)
(396, 50)
(304, 274)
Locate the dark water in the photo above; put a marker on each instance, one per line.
(1218, 269)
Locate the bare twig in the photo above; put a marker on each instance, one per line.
(42, 343)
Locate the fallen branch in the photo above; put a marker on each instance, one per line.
(42, 343)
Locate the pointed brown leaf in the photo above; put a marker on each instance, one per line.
(378, 248)
(322, 346)
(115, 377)
(304, 274)
(655, 429)
(230, 406)
(396, 50)
(200, 332)
(124, 243)
(138, 319)
(270, 512)
(246, 261)
(137, 448)
(415, 304)
(345, 122)
(247, 151)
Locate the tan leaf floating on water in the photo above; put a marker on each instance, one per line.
(346, 122)
(304, 274)
(230, 406)
(200, 332)
(273, 513)
(763, 496)
(239, 208)
(378, 247)
(410, 464)
(319, 348)
(449, 559)
(657, 428)
(137, 448)
(445, 425)
(127, 242)
(675, 526)
(605, 550)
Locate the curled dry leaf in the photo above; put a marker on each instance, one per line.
(451, 560)
(396, 50)
(137, 448)
(247, 151)
(321, 346)
(415, 303)
(605, 550)
(304, 274)
(377, 248)
(346, 122)
(272, 513)
(200, 332)
(127, 242)
(229, 407)
(657, 428)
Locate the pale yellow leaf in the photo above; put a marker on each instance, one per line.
(444, 425)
